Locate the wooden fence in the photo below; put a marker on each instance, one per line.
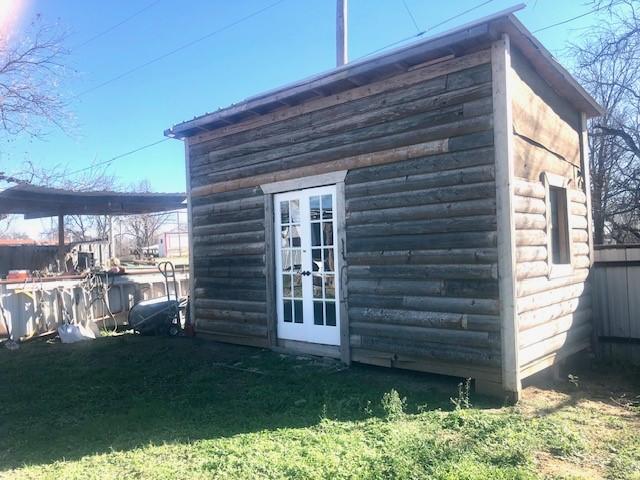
(616, 287)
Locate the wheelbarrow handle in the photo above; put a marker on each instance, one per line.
(164, 268)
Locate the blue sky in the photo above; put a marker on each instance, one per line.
(292, 40)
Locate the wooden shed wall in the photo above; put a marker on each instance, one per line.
(554, 314)
(420, 215)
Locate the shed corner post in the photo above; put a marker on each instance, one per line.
(192, 279)
(586, 172)
(345, 338)
(61, 252)
(270, 269)
(504, 158)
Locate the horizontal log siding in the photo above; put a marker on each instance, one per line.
(554, 314)
(421, 228)
(422, 262)
(229, 266)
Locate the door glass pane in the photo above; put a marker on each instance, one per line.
(295, 235)
(315, 234)
(316, 259)
(287, 311)
(297, 286)
(327, 207)
(328, 260)
(329, 286)
(295, 211)
(284, 212)
(317, 313)
(296, 259)
(314, 208)
(297, 306)
(286, 285)
(317, 286)
(286, 260)
(331, 313)
(285, 236)
(327, 233)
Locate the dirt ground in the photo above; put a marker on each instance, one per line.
(603, 401)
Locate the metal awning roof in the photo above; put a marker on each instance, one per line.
(37, 202)
(377, 67)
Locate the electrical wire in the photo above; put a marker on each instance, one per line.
(109, 161)
(413, 19)
(421, 33)
(113, 27)
(178, 49)
(568, 20)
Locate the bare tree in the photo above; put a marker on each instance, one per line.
(30, 74)
(608, 64)
(144, 228)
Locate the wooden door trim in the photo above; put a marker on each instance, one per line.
(303, 183)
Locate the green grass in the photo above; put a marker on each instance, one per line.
(141, 407)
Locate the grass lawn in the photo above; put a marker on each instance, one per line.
(140, 407)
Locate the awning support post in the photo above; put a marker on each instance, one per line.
(61, 254)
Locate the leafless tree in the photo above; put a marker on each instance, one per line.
(608, 64)
(144, 228)
(30, 73)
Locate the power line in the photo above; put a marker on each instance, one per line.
(413, 19)
(111, 160)
(420, 33)
(113, 27)
(179, 49)
(568, 20)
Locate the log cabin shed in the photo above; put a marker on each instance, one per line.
(426, 208)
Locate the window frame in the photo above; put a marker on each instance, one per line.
(558, 269)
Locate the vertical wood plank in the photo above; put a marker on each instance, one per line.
(345, 347)
(503, 142)
(192, 277)
(599, 309)
(633, 283)
(270, 266)
(618, 301)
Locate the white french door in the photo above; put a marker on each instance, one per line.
(307, 266)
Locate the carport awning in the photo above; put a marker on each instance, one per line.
(37, 202)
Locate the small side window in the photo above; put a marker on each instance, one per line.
(559, 226)
(559, 244)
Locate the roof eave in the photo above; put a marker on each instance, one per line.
(488, 28)
(554, 73)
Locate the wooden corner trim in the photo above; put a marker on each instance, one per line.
(503, 141)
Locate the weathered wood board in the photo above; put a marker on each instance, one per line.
(419, 222)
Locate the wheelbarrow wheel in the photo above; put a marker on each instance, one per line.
(174, 330)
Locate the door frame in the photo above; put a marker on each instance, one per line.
(307, 331)
(332, 178)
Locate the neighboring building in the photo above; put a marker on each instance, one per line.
(27, 254)
(426, 208)
(174, 244)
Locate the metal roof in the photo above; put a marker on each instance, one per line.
(37, 202)
(401, 59)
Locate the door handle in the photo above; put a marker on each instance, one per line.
(305, 273)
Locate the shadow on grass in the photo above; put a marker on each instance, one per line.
(123, 392)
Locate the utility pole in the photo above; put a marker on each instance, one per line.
(341, 32)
